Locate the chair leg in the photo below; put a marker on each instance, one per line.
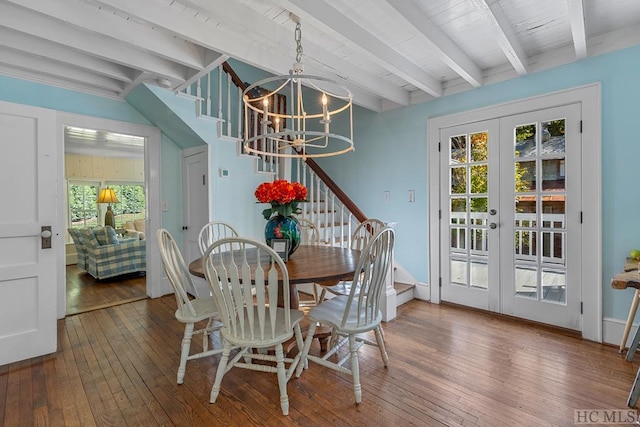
(222, 367)
(184, 354)
(282, 379)
(355, 368)
(383, 349)
(205, 334)
(323, 293)
(302, 364)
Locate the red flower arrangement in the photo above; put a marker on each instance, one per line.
(283, 196)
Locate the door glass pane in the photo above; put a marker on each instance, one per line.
(479, 178)
(458, 149)
(525, 244)
(479, 273)
(479, 149)
(554, 286)
(553, 247)
(554, 204)
(459, 180)
(525, 176)
(525, 141)
(526, 281)
(525, 211)
(553, 175)
(478, 213)
(553, 137)
(459, 271)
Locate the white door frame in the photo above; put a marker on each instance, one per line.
(591, 271)
(152, 160)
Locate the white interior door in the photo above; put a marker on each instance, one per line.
(27, 270)
(510, 203)
(195, 166)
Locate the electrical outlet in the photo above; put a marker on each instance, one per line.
(165, 206)
(387, 196)
(412, 196)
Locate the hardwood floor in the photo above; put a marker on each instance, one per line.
(448, 366)
(84, 293)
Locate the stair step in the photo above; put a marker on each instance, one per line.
(402, 287)
(404, 292)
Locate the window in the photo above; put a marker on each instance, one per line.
(83, 209)
(133, 202)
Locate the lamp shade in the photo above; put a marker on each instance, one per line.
(107, 195)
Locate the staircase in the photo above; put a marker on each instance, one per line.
(218, 97)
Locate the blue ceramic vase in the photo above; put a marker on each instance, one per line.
(283, 227)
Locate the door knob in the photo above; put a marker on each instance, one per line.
(493, 212)
(45, 237)
(493, 225)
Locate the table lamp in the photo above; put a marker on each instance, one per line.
(107, 195)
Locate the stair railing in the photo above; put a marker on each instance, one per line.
(218, 96)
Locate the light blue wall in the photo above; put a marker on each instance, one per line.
(55, 98)
(171, 188)
(391, 154)
(36, 94)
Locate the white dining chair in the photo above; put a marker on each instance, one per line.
(356, 313)
(309, 235)
(246, 294)
(359, 239)
(190, 310)
(212, 231)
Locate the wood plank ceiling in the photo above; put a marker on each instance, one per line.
(390, 53)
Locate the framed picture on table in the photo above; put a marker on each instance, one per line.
(281, 246)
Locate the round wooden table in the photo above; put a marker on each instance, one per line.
(310, 264)
(324, 265)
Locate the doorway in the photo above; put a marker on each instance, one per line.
(154, 284)
(512, 202)
(513, 190)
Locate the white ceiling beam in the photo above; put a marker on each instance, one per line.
(93, 44)
(240, 15)
(14, 58)
(576, 17)
(92, 19)
(445, 48)
(380, 52)
(504, 33)
(46, 49)
(241, 47)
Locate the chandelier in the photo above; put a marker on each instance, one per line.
(296, 114)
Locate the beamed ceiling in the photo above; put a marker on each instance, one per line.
(389, 53)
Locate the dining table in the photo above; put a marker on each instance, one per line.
(323, 265)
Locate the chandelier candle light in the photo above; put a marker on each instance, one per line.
(283, 134)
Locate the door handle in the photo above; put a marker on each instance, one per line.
(45, 236)
(493, 212)
(493, 226)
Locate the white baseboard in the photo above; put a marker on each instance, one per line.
(612, 330)
(422, 291)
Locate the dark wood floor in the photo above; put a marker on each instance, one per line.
(84, 293)
(448, 366)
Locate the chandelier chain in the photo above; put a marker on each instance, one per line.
(298, 37)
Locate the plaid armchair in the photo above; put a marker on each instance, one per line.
(102, 255)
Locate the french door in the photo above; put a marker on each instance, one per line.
(510, 202)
